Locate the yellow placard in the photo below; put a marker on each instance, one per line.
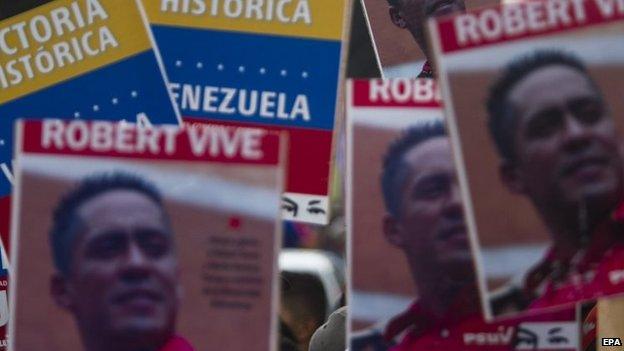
(64, 39)
(319, 19)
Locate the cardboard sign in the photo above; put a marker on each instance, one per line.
(607, 324)
(519, 79)
(396, 28)
(399, 155)
(220, 190)
(275, 64)
(85, 59)
(378, 112)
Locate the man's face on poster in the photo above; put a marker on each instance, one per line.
(123, 273)
(430, 226)
(413, 14)
(565, 143)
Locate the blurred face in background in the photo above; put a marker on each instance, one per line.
(123, 275)
(565, 144)
(413, 14)
(430, 227)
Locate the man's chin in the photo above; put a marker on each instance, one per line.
(599, 194)
(139, 335)
(141, 327)
(460, 265)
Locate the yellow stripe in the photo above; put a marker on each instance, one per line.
(322, 20)
(123, 19)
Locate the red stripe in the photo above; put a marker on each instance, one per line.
(451, 41)
(398, 92)
(309, 154)
(5, 219)
(33, 143)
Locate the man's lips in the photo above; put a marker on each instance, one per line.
(139, 295)
(584, 165)
(455, 232)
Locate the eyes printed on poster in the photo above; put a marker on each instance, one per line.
(313, 207)
(525, 340)
(304, 207)
(545, 335)
(290, 206)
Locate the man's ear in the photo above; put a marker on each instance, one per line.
(397, 18)
(392, 231)
(510, 176)
(60, 292)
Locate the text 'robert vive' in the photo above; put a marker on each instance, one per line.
(197, 141)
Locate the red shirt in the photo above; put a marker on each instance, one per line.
(427, 71)
(593, 272)
(177, 343)
(553, 330)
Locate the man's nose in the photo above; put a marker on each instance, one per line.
(576, 135)
(453, 204)
(136, 264)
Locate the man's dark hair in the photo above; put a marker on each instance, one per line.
(66, 221)
(305, 298)
(501, 119)
(394, 170)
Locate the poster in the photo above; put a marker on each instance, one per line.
(534, 114)
(76, 60)
(115, 265)
(274, 64)
(86, 59)
(413, 283)
(606, 321)
(398, 31)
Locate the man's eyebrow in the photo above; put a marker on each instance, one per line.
(554, 330)
(431, 176)
(289, 200)
(314, 202)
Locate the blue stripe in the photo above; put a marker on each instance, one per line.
(183, 49)
(138, 73)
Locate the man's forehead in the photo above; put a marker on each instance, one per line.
(118, 202)
(428, 150)
(407, 3)
(430, 155)
(552, 83)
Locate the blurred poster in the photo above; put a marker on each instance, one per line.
(413, 282)
(602, 325)
(398, 31)
(588, 313)
(84, 59)
(274, 64)
(145, 238)
(609, 321)
(4, 298)
(535, 113)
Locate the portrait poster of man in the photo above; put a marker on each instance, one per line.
(134, 238)
(398, 29)
(413, 282)
(83, 59)
(534, 113)
(373, 123)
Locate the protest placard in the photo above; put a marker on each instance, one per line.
(145, 237)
